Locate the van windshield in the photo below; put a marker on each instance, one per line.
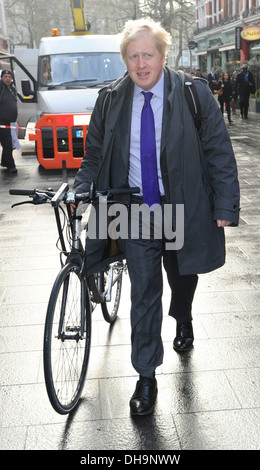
(79, 70)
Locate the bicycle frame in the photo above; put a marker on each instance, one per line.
(75, 230)
(77, 248)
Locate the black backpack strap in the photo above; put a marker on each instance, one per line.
(195, 108)
(191, 95)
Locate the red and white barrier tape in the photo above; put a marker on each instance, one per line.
(78, 120)
(19, 127)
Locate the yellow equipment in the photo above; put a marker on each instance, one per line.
(77, 8)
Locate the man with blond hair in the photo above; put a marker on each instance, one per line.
(147, 139)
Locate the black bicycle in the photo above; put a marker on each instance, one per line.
(74, 295)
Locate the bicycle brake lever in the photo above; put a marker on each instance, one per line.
(37, 199)
(21, 203)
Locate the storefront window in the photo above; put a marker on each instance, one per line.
(216, 59)
(233, 56)
(203, 63)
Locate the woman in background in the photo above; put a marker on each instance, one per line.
(225, 97)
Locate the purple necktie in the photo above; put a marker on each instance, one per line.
(151, 194)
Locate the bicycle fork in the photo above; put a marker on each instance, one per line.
(74, 331)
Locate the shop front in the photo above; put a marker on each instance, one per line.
(217, 50)
(250, 42)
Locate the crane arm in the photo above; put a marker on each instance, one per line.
(77, 8)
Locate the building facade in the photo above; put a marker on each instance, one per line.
(227, 33)
(3, 33)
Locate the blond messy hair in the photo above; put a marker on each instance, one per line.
(133, 28)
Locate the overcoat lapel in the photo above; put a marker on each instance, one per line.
(121, 144)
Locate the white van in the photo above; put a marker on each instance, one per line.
(70, 71)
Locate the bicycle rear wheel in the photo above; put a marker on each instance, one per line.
(67, 339)
(111, 283)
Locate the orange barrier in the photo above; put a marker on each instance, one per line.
(60, 140)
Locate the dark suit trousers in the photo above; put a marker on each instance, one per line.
(144, 260)
(244, 102)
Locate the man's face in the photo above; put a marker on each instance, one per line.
(144, 62)
(7, 79)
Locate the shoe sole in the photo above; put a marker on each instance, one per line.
(181, 350)
(143, 413)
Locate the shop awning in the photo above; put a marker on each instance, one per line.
(201, 52)
(255, 49)
(227, 47)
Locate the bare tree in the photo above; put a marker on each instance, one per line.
(176, 16)
(109, 16)
(29, 20)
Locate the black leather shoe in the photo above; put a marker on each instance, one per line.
(12, 169)
(144, 397)
(184, 337)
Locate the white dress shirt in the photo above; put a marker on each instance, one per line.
(134, 176)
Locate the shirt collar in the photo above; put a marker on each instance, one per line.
(157, 90)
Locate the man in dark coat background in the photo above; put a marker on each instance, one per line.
(8, 114)
(212, 79)
(194, 171)
(245, 84)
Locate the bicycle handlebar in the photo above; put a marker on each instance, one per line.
(23, 192)
(68, 197)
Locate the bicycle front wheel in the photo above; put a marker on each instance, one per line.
(67, 339)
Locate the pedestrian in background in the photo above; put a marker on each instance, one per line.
(168, 168)
(245, 84)
(225, 97)
(199, 74)
(212, 79)
(8, 114)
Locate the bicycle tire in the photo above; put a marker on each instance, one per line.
(102, 293)
(113, 274)
(66, 352)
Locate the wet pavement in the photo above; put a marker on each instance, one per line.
(209, 398)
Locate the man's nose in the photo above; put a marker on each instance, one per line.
(141, 61)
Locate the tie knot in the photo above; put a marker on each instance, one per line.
(147, 96)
